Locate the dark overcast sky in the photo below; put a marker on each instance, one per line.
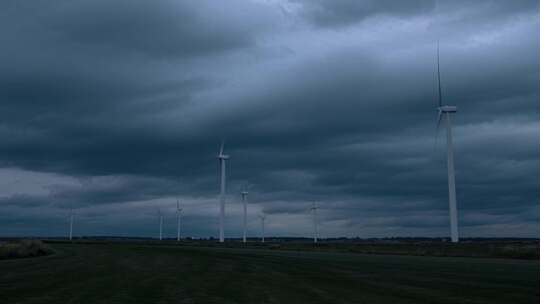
(118, 107)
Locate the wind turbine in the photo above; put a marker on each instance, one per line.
(244, 201)
(263, 218)
(178, 219)
(314, 209)
(444, 113)
(160, 224)
(71, 223)
(222, 160)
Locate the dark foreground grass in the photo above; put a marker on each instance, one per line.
(128, 273)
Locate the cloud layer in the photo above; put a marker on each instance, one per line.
(116, 108)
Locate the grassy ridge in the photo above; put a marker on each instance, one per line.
(23, 249)
(139, 273)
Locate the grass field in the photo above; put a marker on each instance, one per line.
(137, 273)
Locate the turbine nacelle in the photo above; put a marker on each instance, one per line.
(447, 109)
(223, 157)
(443, 110)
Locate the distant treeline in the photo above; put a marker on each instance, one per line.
(477, 247)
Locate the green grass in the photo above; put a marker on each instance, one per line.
(137, 273)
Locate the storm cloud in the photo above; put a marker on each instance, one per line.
(117, 108)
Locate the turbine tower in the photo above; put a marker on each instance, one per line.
(263, 218)
(160, 224)
(444, 113)
(71, 223)
(244, 201)
(222, 160)
(178, 219)
(314, 209)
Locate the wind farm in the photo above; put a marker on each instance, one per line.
(270, 151)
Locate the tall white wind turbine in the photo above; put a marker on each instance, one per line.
(178, 219)
(263, 218)
(444, 113)
(314, 209)
(244, 202)
(222, 161)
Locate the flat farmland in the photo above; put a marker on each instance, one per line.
(143, 273)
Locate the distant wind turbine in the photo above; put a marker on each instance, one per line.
(244, 201)
(178, 219)
(222, 160)
(160, 224)
(314, 209)
(263, 218)
(444, 113)
(71, 223)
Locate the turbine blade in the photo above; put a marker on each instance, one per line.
(221, 147)
(439, 118)
(439, 73)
